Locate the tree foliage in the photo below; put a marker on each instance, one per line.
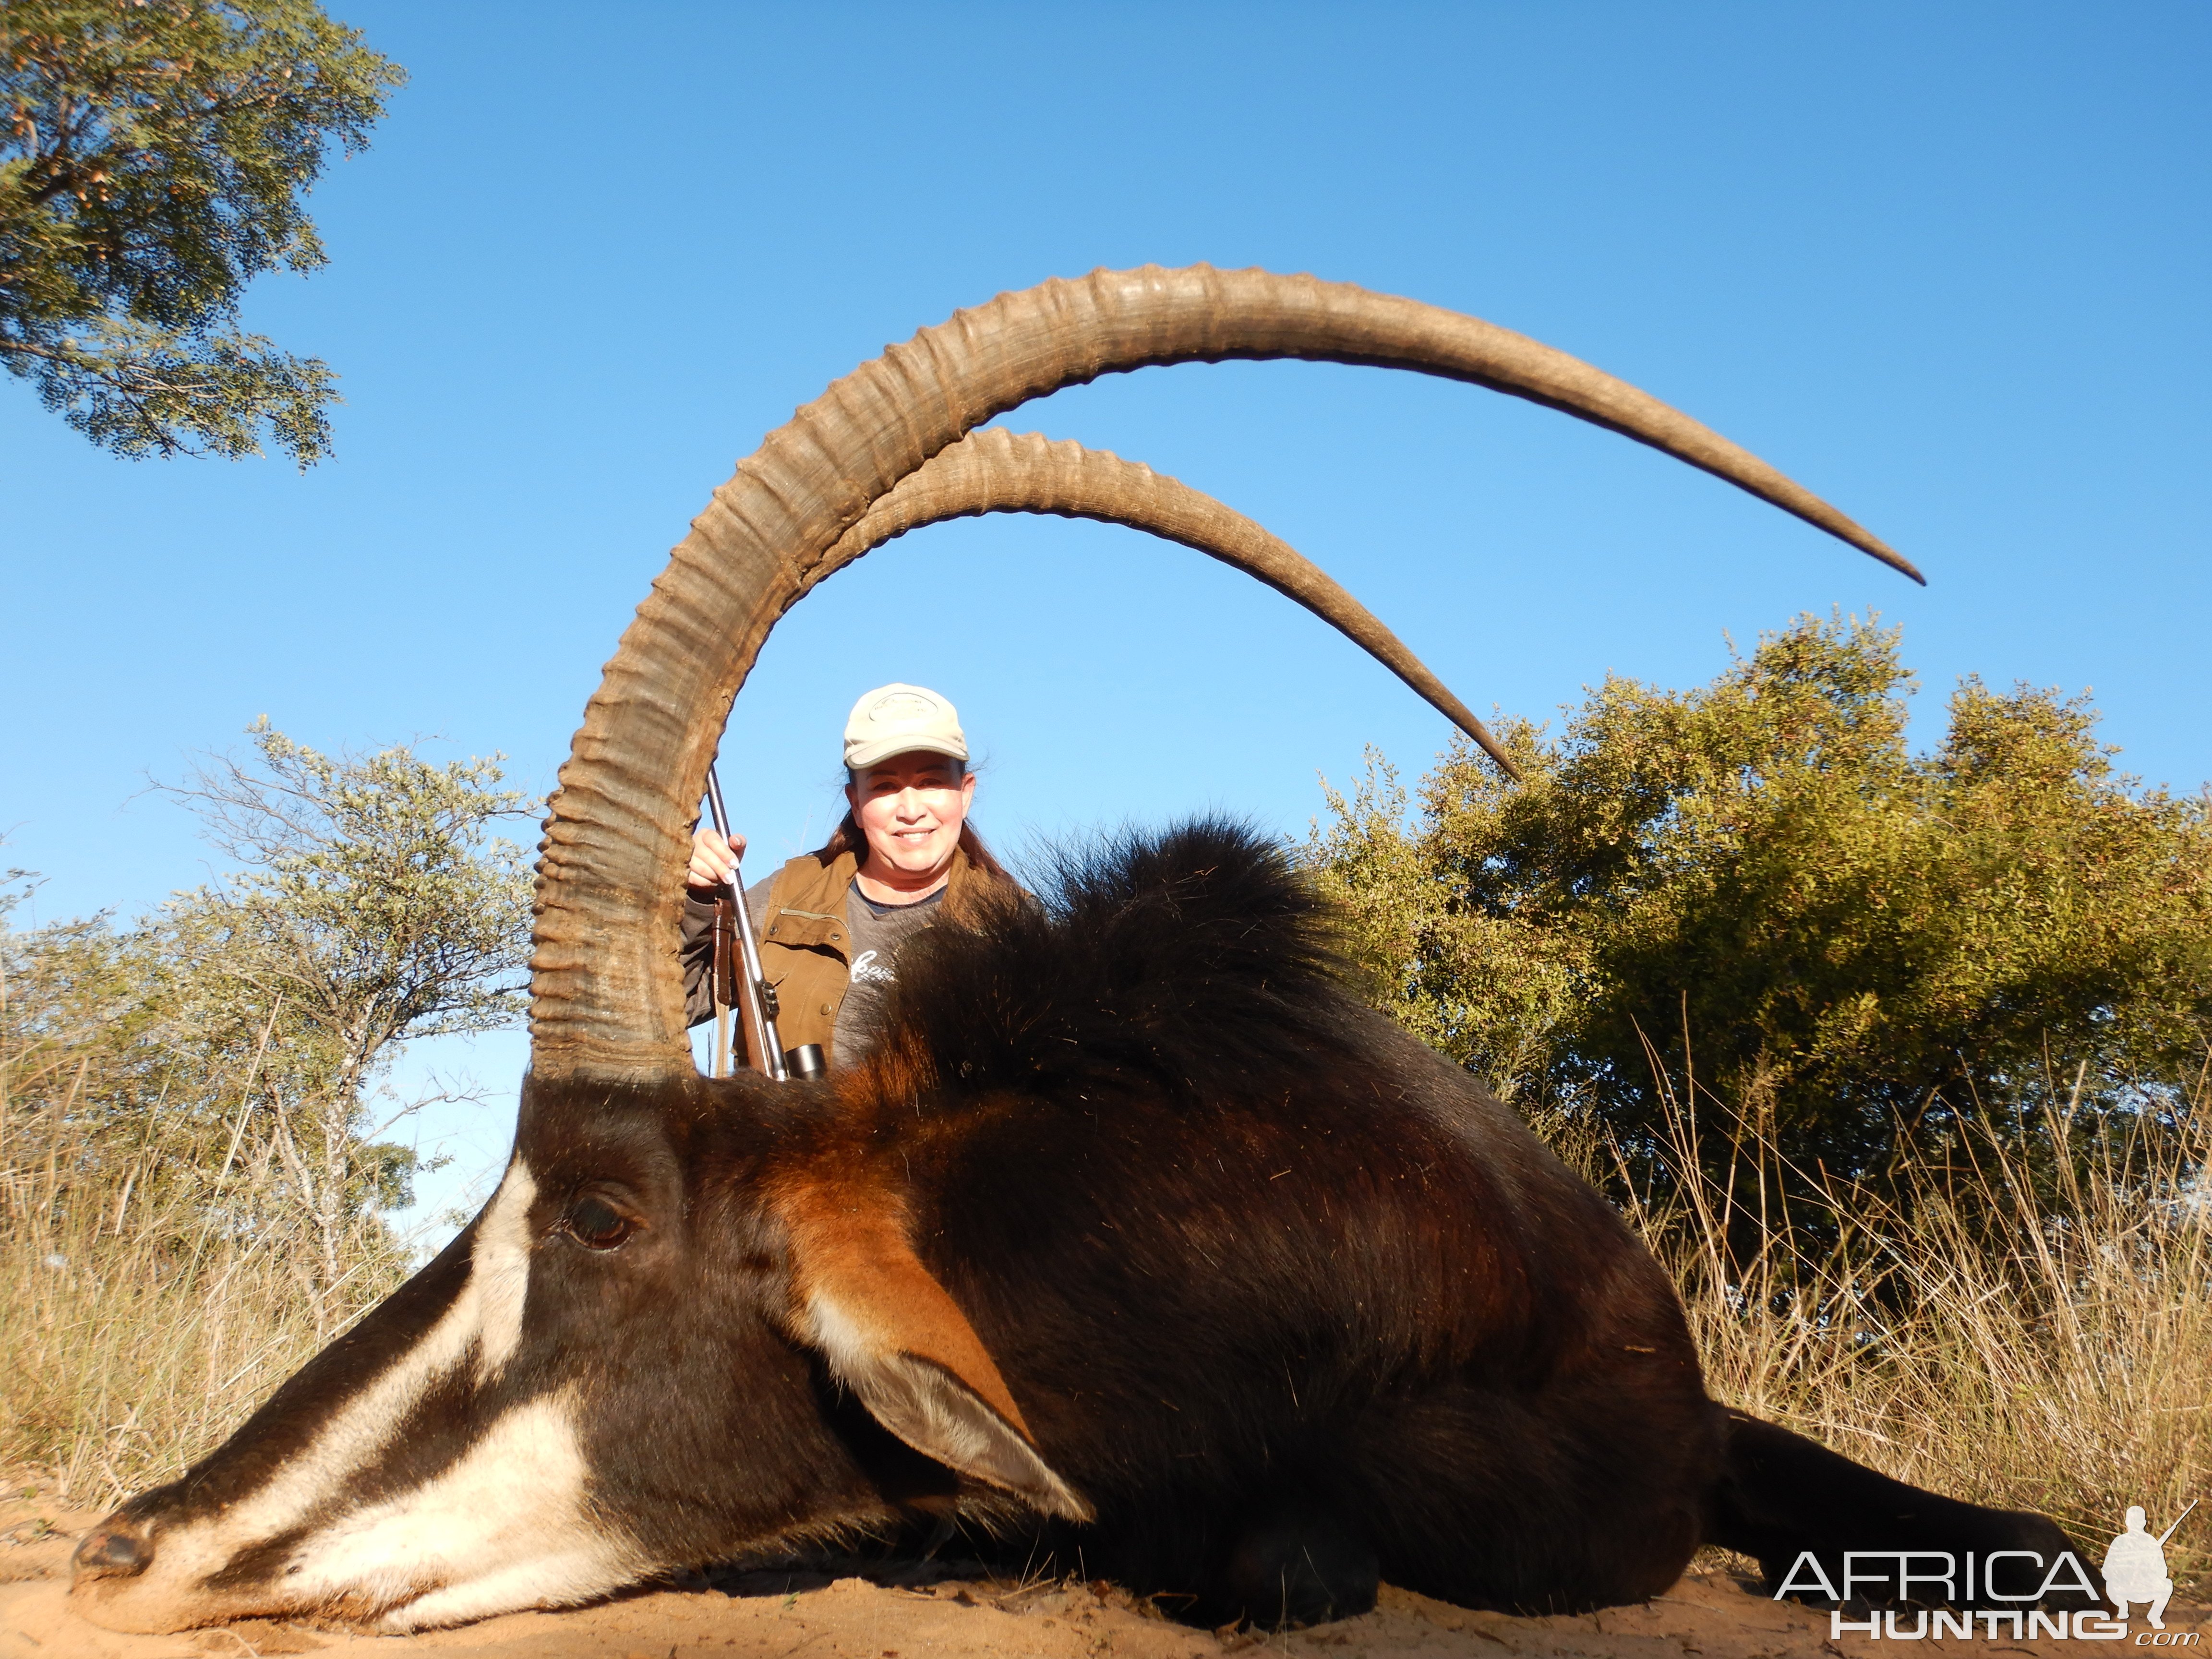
(371, 892)
(154, 159)
(1754, 898)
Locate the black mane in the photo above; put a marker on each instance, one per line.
(1183, 960)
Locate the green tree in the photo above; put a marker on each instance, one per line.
(1753, 900)
(154, 157)
(372, 905)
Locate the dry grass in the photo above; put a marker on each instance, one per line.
(2051, 1352)
(133, 1347)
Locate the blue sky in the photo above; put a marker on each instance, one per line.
(1946, 266)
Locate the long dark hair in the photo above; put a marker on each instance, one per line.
(849, 838)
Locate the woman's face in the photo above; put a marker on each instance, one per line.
(910, 807)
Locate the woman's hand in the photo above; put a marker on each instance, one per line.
(712, 860)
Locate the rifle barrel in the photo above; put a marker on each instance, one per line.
(760, 1028)
(2176, 1527)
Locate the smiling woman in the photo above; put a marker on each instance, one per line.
(831, 923)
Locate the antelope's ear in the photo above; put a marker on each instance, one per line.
(894, 1336)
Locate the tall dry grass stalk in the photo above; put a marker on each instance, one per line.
(2043, 1349)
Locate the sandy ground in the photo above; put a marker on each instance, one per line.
(935, 1610)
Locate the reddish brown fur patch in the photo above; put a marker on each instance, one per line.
(848, 1241)
(899, 1068)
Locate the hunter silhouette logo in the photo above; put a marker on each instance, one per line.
(2135, 1567)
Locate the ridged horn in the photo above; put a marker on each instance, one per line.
(607, 997)
(995, 470)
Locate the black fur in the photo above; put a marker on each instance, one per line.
(1760, 1509)
(1342, 1295)
(1166, 963)
(1243, 1249)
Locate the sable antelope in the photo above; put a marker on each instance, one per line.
(1136, 1230)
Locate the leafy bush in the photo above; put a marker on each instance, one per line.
(1879, 952)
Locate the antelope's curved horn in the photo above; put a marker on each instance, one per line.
(998, 471)
(606, 997)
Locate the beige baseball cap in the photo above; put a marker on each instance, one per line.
(898, 719)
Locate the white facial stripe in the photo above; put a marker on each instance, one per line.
(506, 1527)
(486, 1315)
(499, 1270)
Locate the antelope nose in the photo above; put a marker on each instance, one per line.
(111, 1549)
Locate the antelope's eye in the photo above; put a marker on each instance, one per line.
(596, 1224)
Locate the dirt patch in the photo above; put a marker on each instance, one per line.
(939, 1610)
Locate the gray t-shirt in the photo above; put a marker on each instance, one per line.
(877, 932)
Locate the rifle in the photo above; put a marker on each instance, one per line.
(764, 1050)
